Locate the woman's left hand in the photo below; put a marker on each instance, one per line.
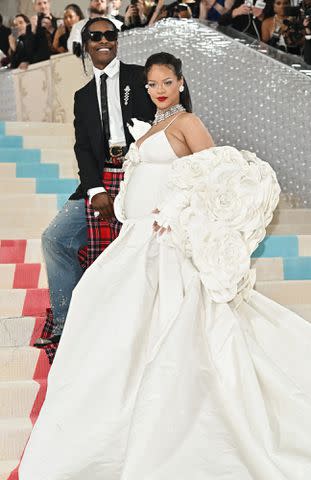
(158, 228)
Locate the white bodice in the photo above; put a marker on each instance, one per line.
(147, 186)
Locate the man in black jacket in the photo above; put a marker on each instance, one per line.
(102, 113)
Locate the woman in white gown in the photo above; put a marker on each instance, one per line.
(179, 369)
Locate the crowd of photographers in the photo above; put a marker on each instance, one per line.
(275, 22)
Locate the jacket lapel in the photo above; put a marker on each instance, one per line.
(94, 120)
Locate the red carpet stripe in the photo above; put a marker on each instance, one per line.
(37, 329)
(26, 275)
(36, 302)
(12, 251)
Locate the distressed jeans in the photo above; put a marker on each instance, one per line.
(61, 242)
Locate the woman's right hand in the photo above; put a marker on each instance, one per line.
(241, 10)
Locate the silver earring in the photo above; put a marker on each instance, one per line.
(181, 88)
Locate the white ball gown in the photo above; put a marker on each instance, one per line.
(171, 366)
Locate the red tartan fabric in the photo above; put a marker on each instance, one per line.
(100, 235)
(100, 232)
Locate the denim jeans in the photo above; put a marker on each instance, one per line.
(60, 243)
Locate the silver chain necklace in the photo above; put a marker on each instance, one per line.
(160, 116)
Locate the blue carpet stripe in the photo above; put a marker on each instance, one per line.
(19, 155)
(278, 246)
(62, 199)
(297, 268)
(56, 185)
(11, 141)
(2, 128)
(37, 170)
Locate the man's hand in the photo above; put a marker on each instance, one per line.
(241, 10)
(103, 203)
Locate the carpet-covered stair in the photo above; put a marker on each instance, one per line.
(37, 174)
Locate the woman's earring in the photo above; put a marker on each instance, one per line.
(181, 88)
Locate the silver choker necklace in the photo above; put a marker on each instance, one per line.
(160, 116)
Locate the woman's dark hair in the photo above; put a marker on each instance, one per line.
(76, 9)
(174, 64)
(24, 17)
(85, 36)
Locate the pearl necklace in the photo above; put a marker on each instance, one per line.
(160, 116)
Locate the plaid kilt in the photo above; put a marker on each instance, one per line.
(101, 233)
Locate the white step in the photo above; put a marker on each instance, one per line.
(48, 141)
(289, 229)
(7, 170)
(287, 292)
(18, 331)
(17, 185)
(303, 310)
(268, 268)
(14, 433)
(7, 276)
(6, 467)
(292, 216)
(39, 128)
(17, 398)
(18, 363)
(28, 201)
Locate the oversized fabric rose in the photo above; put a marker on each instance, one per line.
(221, 256)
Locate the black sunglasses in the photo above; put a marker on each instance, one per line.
(97, 36)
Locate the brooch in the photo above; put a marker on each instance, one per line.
(127, 90)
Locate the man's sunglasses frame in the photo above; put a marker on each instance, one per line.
(97, 36)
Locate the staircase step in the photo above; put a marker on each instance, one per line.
(19, 251)
(18, 363)
(292, 216)
(289, 229)
(7, 170)
(29, 201)
(25, 302)
(293, 292)
(18, 185)
(6, 467)
(17, 398)
(19, 155)
(284, 246)
(20, 331)
(37, 170)
(295, 268)
(12, 141)
(37, 128)
(304, 310)
(22, 275)
(47, 141)
(14, 433)
(56, 185)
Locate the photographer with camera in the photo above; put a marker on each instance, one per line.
(245, 16)
(138, 14)
(44, 26)
(273, 27)
(21, 43)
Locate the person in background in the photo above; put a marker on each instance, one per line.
(273, 28)
(44, 26)
(243, 17)
(214, 9)
(21, 42)
(72, 15)
(97, 8)
(114, 8)
(307, 45)
(4, 37)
